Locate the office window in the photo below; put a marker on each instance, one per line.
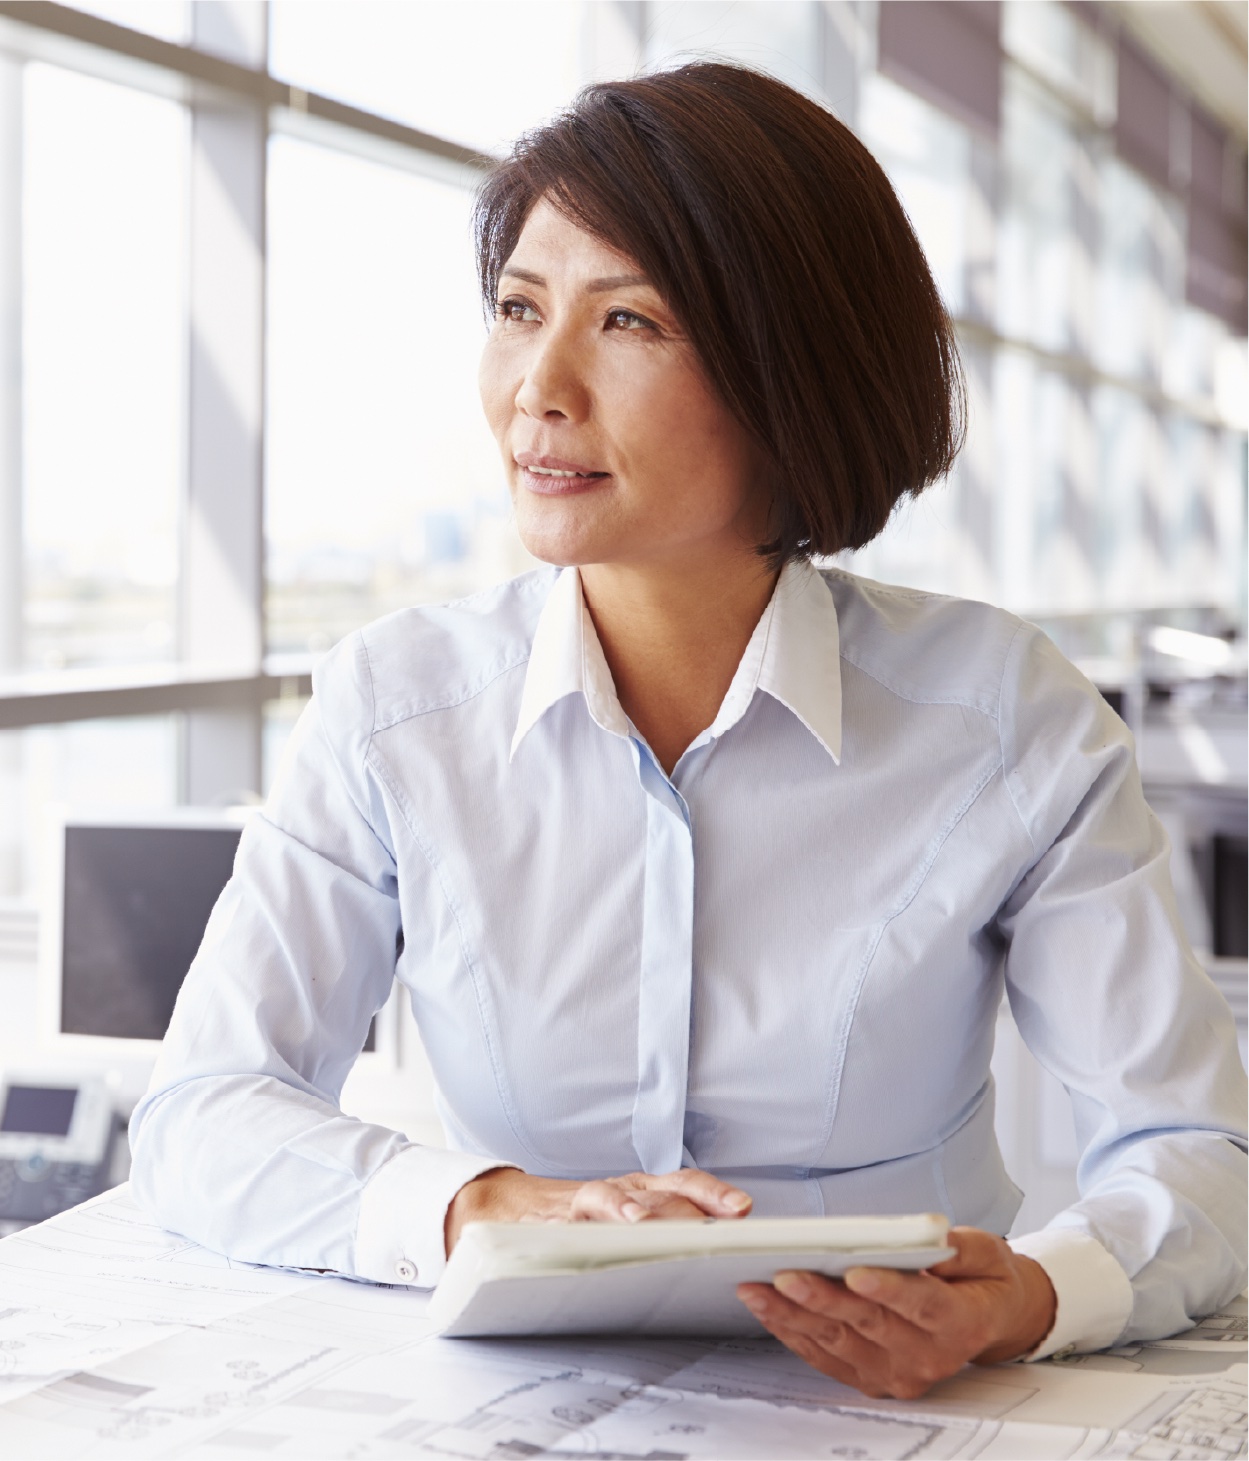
(1140, 273)
(1197, 515)
(170, 20)
(1053, 41)
(1191, 364)
(1044, 239)
(1131, 454)
(279, 721)
(479, 73)
(1050, 550)
(122, 763)
(778, 36)
(103, 346)
(1105, 464)
(928, 158)
(383, 486)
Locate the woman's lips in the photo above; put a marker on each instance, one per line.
(550, 476)
(560, 486)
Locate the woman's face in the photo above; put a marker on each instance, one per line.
(616, 447)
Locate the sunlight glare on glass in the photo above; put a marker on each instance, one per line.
(103, 344)
(477, 73)
(383, 483)
(777, 36)
(928, 158)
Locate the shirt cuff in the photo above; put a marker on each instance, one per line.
(1094, 1294)
(403, 1210)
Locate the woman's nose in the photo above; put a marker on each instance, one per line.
(553, 384)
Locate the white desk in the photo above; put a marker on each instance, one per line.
(119, 1340)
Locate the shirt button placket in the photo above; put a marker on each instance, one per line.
(664, 986)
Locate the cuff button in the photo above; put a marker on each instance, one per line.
(405, 1271)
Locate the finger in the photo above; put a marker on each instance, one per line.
(605, 1202)
(766, 1301)
(832, 1347)
(720, 1199)
(901, 1362)
(879, 1325)
(827, 1361)
(668, 1205)
(923, 1301)
(977, 1255)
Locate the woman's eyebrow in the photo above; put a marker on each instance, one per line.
(593, 286)
(617, 281)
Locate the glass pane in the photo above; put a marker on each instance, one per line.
(779, 36)
(1132, 478)
(1043, 246)
(1051, 39)
(1141, 276)
(278, 722)
(945, 541)
(1197, 561)
(1189, 365)
(928, 158)
(103, 369)
(383, 482)
(168, 19)
(478, 74)
(124, 763)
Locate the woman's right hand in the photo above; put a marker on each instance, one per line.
(507, 1195)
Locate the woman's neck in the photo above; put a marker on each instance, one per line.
(673, 638)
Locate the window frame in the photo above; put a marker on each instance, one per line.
(224, 677)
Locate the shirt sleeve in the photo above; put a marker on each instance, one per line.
(239, 1142)
(1109, 997)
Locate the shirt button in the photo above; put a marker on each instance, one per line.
(405, 1271)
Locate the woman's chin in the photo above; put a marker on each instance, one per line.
(564, 544)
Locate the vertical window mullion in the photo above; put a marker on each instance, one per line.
(222, 574)
(11, 535)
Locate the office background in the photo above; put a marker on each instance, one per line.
(239, 329)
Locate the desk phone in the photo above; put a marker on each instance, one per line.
(56, 1139)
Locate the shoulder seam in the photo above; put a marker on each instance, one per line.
(912, 699)
(898, 590)
(368, 665)
(1001, 690)
(451, 703)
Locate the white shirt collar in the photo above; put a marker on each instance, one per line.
(793, 655)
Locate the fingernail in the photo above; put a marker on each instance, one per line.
(755, 1302)
(796, 1286)
(633, 1212)
(737, 1201)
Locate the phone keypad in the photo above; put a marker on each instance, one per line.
(35, 1188)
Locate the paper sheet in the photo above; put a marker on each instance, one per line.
(117, 1340)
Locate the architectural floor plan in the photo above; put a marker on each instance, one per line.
(119, 1340)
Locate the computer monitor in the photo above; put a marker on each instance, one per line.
(128, 896)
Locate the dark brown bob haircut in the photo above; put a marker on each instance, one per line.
(776, 239)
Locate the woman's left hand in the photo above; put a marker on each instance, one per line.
(896, 1334)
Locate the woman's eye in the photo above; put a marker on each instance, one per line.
(623, 319)
(517, 311)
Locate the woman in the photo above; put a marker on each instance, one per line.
(705, 870)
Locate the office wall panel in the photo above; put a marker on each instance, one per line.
(949, 52)
(1143, 125)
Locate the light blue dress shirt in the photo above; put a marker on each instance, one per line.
(782, 963)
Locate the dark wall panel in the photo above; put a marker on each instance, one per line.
(1143, 124)
(949, 51)
(1216, 264)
